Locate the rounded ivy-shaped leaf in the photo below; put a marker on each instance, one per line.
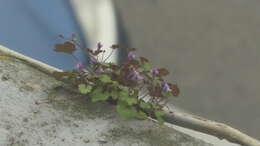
(145, 105)
(105, 79)
(84, 89)
(126, 112)
(99, 95)
(158, 115)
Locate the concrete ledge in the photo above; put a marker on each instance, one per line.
(71, 120)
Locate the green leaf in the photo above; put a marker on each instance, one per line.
(140, 69)
(135, 94)
(123, 88)
(123, 94)
(114, 94)
(105, 79)
(84, 89)
(115, 83)
(126, 112)
(145, 105)
(167, 94)
(129, 100)
(99, 95)
(147, 66)
(141, 115)
(157, 80)
(158, 115)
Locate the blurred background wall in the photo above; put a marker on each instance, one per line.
(212, 49)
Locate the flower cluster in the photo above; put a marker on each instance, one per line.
(137, 89)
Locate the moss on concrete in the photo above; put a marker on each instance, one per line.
(69, 120)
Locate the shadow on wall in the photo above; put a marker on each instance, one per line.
(123, 39)
(212, 50)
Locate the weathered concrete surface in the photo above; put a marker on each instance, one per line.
(71, 120)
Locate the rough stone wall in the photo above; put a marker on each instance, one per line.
(69, 120)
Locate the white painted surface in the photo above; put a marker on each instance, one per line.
(98, 21)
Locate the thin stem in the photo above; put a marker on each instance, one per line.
(109, 55)
(76, 59)
(102, 56)
(97, 59)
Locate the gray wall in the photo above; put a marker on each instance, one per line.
(212, 49)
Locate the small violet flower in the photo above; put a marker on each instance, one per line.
(134, 75)
(154, 72)
(93, 60)
(99, 70)
(166, 87)
(131, 55)
(80, 66)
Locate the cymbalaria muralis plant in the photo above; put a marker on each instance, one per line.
(136, 88)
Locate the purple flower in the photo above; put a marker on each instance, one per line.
(166, 87)
(154, 72)
(134, 75)
(99, 45)
(93, 60)
(131, 55)
(80, 66)
(99, 70)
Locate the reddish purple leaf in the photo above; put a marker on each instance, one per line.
(131, 49)
(67, 47)
(143, 59)
(163, 72)
(175, 89)
(115, 46)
